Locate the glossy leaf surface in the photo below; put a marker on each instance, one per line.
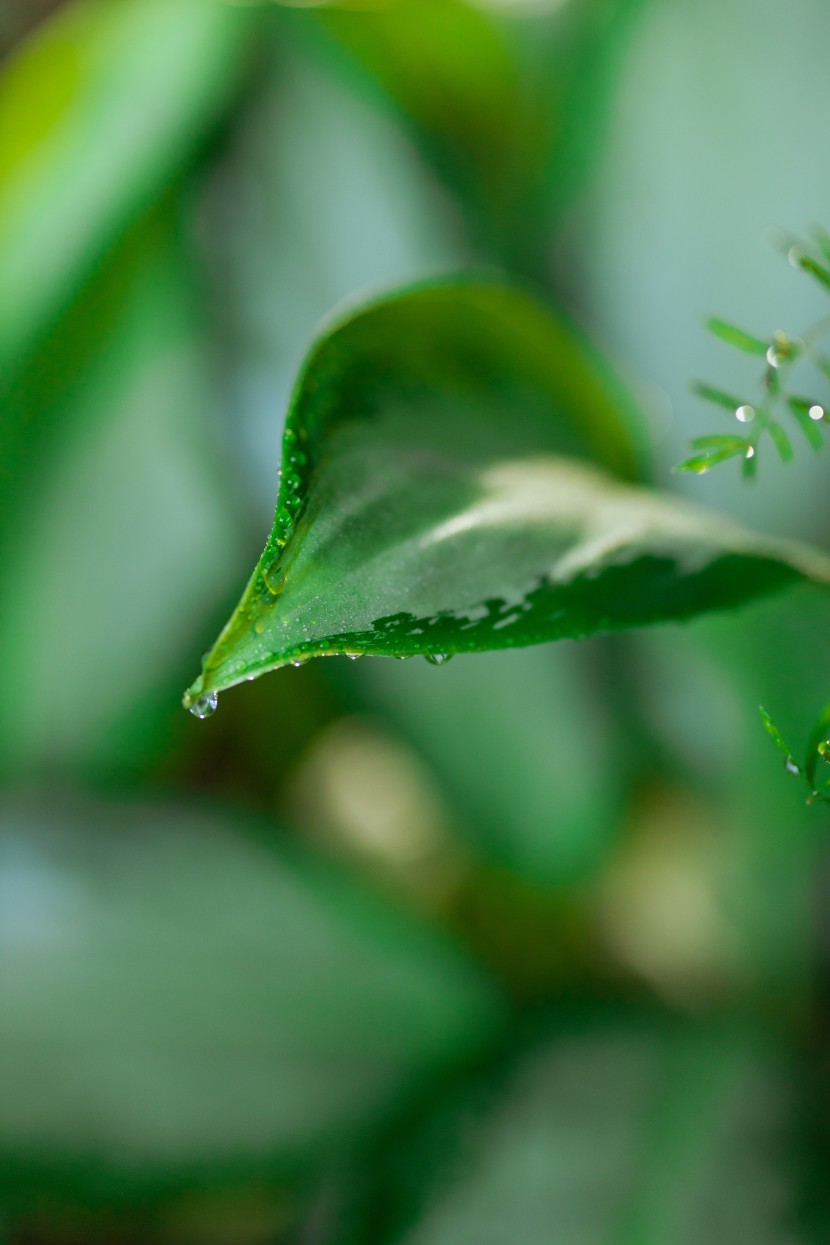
(434, 498)
(153, 1028)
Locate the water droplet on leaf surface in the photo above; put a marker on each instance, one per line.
(204, 706)
(438, 659)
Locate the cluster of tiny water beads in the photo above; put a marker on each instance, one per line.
(205, 706)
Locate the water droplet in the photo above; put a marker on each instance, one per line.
(816, 412)
(438, 659)
(354, 656)
(204, 706)
(791, 767)
(745, 414)
(260, 625)
(774, 359)
(795, 256)
(300, 661)
(824, 750)
(750, 451)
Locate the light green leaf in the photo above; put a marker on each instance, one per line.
(736, 337)
(719, 397)
(98, 109)
(423, 507)
(182, 998)
(774, 733)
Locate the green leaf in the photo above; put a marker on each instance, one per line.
(454, 75)
(812, 266)
(818, 736)
(801, 408)
(114, 505)
(699, 464)
(718, 396)
(625, 1130)
(736, 337)
(719, 441)
(715, 449)
(774, 733)
(423, 507)
(507, 117)
(183, 999)
(782, 441)
(100, 108)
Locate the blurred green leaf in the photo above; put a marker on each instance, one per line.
(781, 441)
(98, 110)
(774, 733)
(812, 266)
(118, 535)
(524, 748)
(736, 337)
(623, 1130)
(506, 111)
(713, 450)
(181, 1001)
(421, 511)
(452, 71)
(811, 428)
(818, 737)
(727, 400)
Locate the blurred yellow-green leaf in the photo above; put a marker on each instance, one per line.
(98, 110)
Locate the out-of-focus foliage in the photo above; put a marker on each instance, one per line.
(122, 930)
(527, 947)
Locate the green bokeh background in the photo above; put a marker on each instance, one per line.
(530, 948)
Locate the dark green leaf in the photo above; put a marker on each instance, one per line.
(423, 508)
(181, 998)
(736, 337)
